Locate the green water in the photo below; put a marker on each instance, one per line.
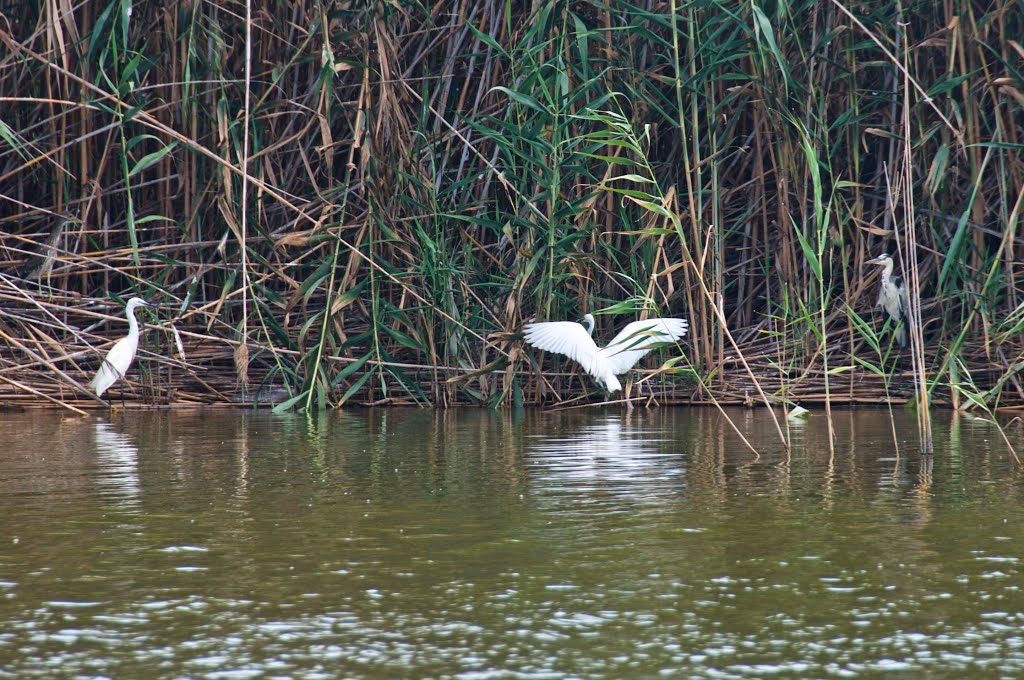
(477, 545)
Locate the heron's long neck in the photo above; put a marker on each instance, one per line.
(887, 270)
(133, 324)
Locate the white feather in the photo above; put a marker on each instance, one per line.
(638, 338)
(605, 363)
(120, 356)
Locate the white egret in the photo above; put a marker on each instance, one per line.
(604, 363)
(892, 297)
(120, 356)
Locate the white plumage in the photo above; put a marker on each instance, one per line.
(120, 356)
(604, 363)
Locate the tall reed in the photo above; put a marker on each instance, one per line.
(371, 198)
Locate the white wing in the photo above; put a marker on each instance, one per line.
(570, 339)
(114, 366)
(640, 337)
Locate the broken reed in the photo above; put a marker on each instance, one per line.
(424, 178)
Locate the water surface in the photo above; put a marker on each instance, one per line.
(473, 544)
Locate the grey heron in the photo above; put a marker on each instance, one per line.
(120, 356)
(604, 363)
(892, 297)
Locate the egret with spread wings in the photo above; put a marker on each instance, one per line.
(604, 363)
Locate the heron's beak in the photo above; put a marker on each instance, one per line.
(874, 260)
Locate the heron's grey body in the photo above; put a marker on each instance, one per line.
(604, 363)
(40, 265)
(892, 297)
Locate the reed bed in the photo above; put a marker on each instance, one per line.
(363, 202)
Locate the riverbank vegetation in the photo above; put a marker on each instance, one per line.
(363, 202)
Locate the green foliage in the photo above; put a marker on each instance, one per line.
(423, 180)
